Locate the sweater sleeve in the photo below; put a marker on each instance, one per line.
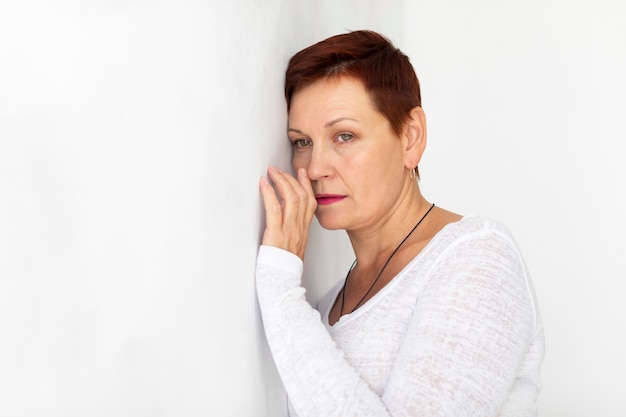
(470, 332)
(317, 378)
(464, 345)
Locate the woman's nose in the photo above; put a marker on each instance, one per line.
(318, 164)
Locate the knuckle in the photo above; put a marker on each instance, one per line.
(302, 192)
(293, 198)
(274, 208)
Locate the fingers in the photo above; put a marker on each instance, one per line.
(291, 194)
(273, 210)
(305, 182)
(288, 219)
(298, 198)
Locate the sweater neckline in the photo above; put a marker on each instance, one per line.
(334, 292)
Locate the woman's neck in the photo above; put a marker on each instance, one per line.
(377, 242)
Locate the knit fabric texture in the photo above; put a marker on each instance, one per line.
(456, 333)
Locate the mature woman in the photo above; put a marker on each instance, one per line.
(437, 315)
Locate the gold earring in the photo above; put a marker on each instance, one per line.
(413, 173)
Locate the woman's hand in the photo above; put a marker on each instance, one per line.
(287, 221)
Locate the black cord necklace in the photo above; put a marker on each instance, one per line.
(343, 290)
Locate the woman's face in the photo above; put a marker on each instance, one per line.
(353, 158)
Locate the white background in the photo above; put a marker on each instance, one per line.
(132, 137)
(526, 104)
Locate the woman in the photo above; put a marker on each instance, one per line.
(437, 316)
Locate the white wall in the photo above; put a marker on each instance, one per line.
(132, 138)
(525, 103)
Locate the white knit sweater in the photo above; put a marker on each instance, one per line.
(456, 333)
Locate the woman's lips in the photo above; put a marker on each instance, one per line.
(325, 199)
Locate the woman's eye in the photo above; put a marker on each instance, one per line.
(345, 137)
(302, 143)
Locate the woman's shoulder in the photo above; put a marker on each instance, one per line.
(475, 225)
(477, 243)
(478, 234)
(473, 235)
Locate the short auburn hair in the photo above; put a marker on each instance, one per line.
(367, 56)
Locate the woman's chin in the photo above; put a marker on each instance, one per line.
(329, 223)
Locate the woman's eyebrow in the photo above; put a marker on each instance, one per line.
(327, 125)
(340, 119)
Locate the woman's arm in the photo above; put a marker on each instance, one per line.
(316, 376)
(467, 337)
(469, 334)
(465, 343)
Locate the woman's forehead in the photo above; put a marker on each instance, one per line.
(331, 95)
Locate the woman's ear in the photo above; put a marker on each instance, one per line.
(415, 137)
